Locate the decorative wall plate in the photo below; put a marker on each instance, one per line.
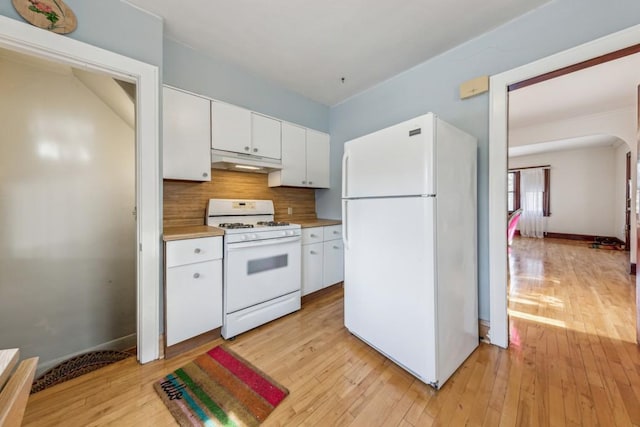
(52, 15)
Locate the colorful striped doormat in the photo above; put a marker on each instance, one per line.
(220, 388)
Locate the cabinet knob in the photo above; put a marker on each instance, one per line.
(255, 150)
(246, 148)
(205, 174)
(197, 250)
(304, 182)
(336, 232)
(336, 247)
(310, 182)
(196, 275)
(313, 252)
(313, 235)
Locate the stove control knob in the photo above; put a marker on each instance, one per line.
(254, 236)
(245, 237)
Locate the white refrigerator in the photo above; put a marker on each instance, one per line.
(409, 215)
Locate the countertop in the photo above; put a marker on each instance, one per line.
(318, 222)
(190, 232)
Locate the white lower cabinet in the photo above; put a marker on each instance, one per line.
(193, 288)
(322, 257)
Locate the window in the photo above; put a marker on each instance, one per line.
(513, 191)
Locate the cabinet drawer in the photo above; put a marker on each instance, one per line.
(194, 300)
(188, 251)
(333, 232)
(312, 235)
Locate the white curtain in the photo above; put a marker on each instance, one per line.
(532, 222)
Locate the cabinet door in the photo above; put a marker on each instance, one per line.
(194, 300)
(333, 262)
(230, 128)
(186, 135)
(293, 156)
(265, 136)
(312, 268)
(317, 159)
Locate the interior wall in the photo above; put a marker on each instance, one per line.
(620, 123)
(191, 70)
(583, 189)
(112, 25)
(433, 86)
(67, 233)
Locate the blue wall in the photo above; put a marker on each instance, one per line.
(433, 86)
(112, 25)
(188, 69)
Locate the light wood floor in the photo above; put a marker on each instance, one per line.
(572, 361)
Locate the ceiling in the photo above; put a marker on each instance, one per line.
(309, 46)
(605, 87)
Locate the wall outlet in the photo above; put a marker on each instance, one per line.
(290, 211)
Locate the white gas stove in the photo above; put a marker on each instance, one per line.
(262, 263)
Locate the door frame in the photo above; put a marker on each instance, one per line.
(27, 39)
(498, 139)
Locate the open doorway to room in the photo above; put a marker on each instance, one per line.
(569, 138)
(19, 37)
(67, 210)
(622, 44)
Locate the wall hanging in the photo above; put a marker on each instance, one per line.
(52, 15)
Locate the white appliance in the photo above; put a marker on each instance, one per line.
(409, 215)
(262, 263)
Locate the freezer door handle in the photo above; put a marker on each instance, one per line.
(345, 224)
(345, 165)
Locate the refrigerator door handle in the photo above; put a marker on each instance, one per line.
(345, 175)
(345, 229)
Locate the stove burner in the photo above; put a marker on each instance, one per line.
(232, 225)
(272, 223)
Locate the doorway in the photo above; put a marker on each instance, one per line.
(498, 160)
(21, 37)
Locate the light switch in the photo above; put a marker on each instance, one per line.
(474, 87)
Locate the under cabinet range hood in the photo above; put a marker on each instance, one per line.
(243, 162)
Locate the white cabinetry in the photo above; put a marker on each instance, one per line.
(193, 287)
(186, 134)
(239, 130)
(322, 257)
(305, 158)
(333, 252)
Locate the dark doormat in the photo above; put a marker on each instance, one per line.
(76, 366)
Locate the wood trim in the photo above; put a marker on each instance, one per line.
(529, 167)
(576, 67)
(14, 395)
(483, 330)
(191, 343)
(321, 293)
(8, 360)
(632, 269)
(581, 237)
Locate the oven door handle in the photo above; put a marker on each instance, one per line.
(256, 243)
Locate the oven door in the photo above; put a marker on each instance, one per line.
(260, 271)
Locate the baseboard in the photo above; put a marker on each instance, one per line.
(581, 237)
(119, 344)
(191, 343)
(632, 268)
(484, 326)
(319, 293)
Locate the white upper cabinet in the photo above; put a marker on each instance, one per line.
(239, 130)
(186, 134)
(317, 159)
(230, 128)
(305, 158)
(265, 136)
